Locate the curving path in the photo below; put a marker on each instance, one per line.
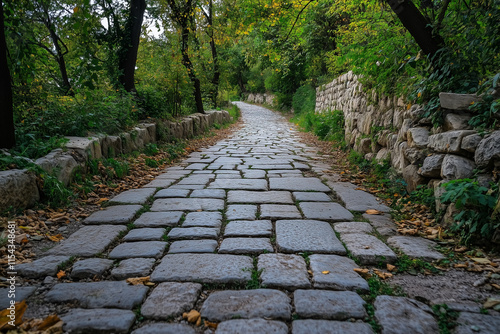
(250, 232)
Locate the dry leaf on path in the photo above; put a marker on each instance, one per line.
(19, 308)
(138, 280)
(325, 272)
(390, 267)
(61, 274)
(365, 273)
(480, 260)
(55, 238)
(192, 316)
(209, 324)
(373, 212)
(382, 274)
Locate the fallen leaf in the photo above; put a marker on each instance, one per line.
(325, 272)
(365, 273)
(138, 280)
(19, 308)
(460, 265)
(61, 274)
(496, 286)
(192, 316)
(381, 274)
(55, 238)
(373, 212)
(390, 267)
(491, 302)
(50, 322)
(210, 324)
(481, 260)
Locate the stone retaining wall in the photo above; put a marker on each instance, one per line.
(381, 127)
(259, 98)
(19, 189)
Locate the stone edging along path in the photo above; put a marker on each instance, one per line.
(19, 189)
(248, 233)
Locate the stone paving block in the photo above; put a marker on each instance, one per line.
(245, 246)
(193, 233)
(470, 323)
(243, 228)
(243, 184)
(279, 211)
(241, 211)
(134, 196)
(416, 247)
(22, 293)
(247, 304)
(193, 246)
(165, 328)
(383, 223)
(331, 305)
(341, 274)
(126, 250)
(308, 196)
(172, 193)
(252, 326)
(259, 197)
(187, 204)
(228, 176)
(197, 179)
(298, 184)
(188, 186)
(301, 166)
(170, 300)
(117, 214)
(254, 174)
(287, 271)
(325, 211)
(81, 321)
(157, 219)
(329, 327)
(272, 166)
(204, 219)
(173, 173)
(404, 315)
(368, 249)
(294, 236)
(88, 240)
(209, 193)
(45, 266)
(356, 200)
(196, 166)
(144, 234)
(106, 294)
(352, 227)
(137, 267)
(88, 268)
(204, 268)
(159, 183)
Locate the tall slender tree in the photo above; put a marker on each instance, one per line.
(7, 132)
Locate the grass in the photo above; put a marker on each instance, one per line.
(445, 317)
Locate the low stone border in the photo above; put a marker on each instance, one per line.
(18, 188)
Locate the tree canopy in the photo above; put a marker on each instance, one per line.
(79, 66)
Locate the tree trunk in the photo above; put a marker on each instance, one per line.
(59, 56)
(417, 25)
(214, 90)
(7, 132)
(130, 44)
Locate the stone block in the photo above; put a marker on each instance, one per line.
(455, 101)
(18, 189)
(456, 167)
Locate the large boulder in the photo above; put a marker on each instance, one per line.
(488, 150)
(448, 142)
(412, 178)
(456, 122)
(471, 142)
(414, 155)
(457, 101)
(18, 189)
(60, 163)
(456, 167)
(418, 137)
(432, 166)
(88, 148)
(398, 159)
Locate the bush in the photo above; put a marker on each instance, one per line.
(478, 217)
(304, 100)
(327, 125)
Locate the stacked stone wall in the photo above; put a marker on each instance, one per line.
(19, 189)
(259, 98)
(382, 127)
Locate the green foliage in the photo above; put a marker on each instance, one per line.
(414, 266)
(151, 149)
(478, 208)
(109, 168)
(304, 100)
(234, 112)
(54, 192)
(327, 126)
(446, 318)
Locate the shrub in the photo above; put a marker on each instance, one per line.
(304, 100)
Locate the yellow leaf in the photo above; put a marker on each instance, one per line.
(210, 324)
(390, 267)
(51, 321)
(19, 309)
(481, 260)
(192, 316)
(61, 274)
(138, 280)
(325, 272)
(373, 212)
(55, 238)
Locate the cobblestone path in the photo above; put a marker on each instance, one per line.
(253, 232)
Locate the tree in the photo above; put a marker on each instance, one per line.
(183, 16)
(130, 44)
(209, 16)
(418, 26)
(7, 132)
